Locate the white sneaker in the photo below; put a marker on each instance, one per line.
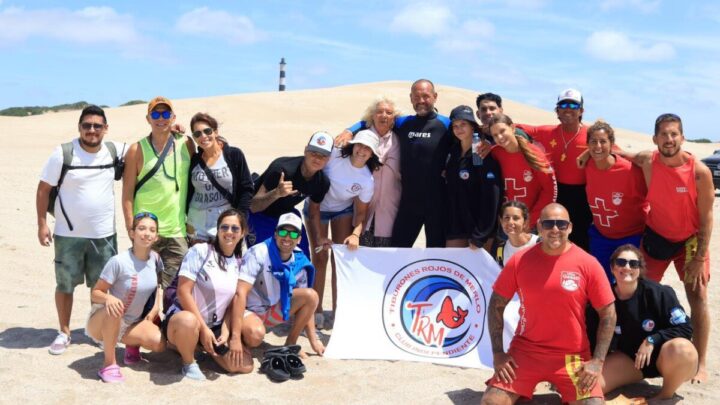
(60, 344)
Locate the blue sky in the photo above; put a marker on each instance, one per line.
(632, 59)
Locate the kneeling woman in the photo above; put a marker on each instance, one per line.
(125, 288)
(206, 284)
(652, 336)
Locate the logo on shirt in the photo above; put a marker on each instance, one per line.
(527, 176)
(355, 188)
(570, 280)
(464, 174)
(648, 325)
(412, 135)
(617, 198)
(681, 189)
(677, 316)
(434, 308)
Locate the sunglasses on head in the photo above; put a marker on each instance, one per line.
(229, 228)
(549, 224)
(206, 131)
(634, 264)
(157, 114)
(572, 106)
(284, 232)
(89, 125)
(141, 215)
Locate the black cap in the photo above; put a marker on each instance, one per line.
(463, 112)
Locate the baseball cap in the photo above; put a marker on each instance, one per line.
(159, 100)
(463, 112)
(571, 95)
(289, 219)
(367, 138)
(320, 142)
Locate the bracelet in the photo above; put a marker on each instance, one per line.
(356, 235)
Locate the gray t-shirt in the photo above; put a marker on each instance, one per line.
(132, 281)
(206, 195)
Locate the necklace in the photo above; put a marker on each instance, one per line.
(566, 143)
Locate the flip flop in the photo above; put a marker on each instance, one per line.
(275, 368)
(111, 374)
(294, 364)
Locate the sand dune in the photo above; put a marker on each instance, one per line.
(265, 126)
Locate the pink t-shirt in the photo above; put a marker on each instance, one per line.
(386, 198)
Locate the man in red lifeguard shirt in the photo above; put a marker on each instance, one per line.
(555, 280)
(679, 225)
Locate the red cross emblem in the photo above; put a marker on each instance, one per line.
(519, 192)
(602, 213)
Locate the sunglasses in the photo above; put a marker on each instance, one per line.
(141, 215)
(228, 228)
(284, 232)
(634, 264)
(549, 224)
(88, 125)
(572, 106)
(207, 131)
(157, 114)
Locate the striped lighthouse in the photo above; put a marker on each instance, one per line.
(282, 75)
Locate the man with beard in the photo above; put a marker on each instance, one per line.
(679, 225)
(82, 173)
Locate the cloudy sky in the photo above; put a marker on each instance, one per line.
(632, 59)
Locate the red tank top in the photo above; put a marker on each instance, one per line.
(672, 195)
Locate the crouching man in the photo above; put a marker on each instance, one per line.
(275, 282)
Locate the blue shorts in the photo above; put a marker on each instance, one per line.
(327, 216)
(263, 226)
(602, 248)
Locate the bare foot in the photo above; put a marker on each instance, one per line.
(700, 377)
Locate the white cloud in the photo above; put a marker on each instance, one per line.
(90, 25)
(426, 20)
(617, 47)
(217, 23)
(470, 35)
(645, 6)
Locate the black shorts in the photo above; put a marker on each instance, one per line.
(164, 325)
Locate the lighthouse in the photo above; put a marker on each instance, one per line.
(281, 87)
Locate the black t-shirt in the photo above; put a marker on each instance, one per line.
(315, 188)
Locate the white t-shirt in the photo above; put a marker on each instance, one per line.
(214, 288)
(509, 250)
(346, 183)
(132, 281)
(207, 203)
(256, 270)
(87, 194)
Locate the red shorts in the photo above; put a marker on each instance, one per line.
(656, 268)
(556, 369)
(271, 318)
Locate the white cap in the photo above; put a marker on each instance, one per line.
(571, 95)
(290, 219)
(320, 142)
(367, 138)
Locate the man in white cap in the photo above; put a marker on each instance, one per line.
(275, 282)
(287, 182)
(563, 144)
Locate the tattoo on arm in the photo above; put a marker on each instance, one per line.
(605, 331)
(496, 308)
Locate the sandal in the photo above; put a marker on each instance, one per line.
(294, 364)
(294, 349)
(111, 374)
(275, 368)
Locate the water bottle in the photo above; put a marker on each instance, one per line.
(477, 159)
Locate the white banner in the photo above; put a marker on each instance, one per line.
(416, 304)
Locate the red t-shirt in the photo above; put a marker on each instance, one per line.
(672, 195)
(617, 198)
(563, 157)
(523, 183)
(553, 291)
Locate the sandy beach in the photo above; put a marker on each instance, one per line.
(264, 126)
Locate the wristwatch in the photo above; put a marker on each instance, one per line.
(651, 340)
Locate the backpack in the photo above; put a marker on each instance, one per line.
(118, 165)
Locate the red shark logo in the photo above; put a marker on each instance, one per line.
(450, 317)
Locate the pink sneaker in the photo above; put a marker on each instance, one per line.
(111, 374)
(132, 355)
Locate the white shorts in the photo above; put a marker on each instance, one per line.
(124, 325)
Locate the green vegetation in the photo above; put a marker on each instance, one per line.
(701, 140)
(25, 111)
(133, 102)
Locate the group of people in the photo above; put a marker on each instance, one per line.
(189, 203)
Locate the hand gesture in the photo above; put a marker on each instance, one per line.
(114, 307)
(285, 188)
(504, 366)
